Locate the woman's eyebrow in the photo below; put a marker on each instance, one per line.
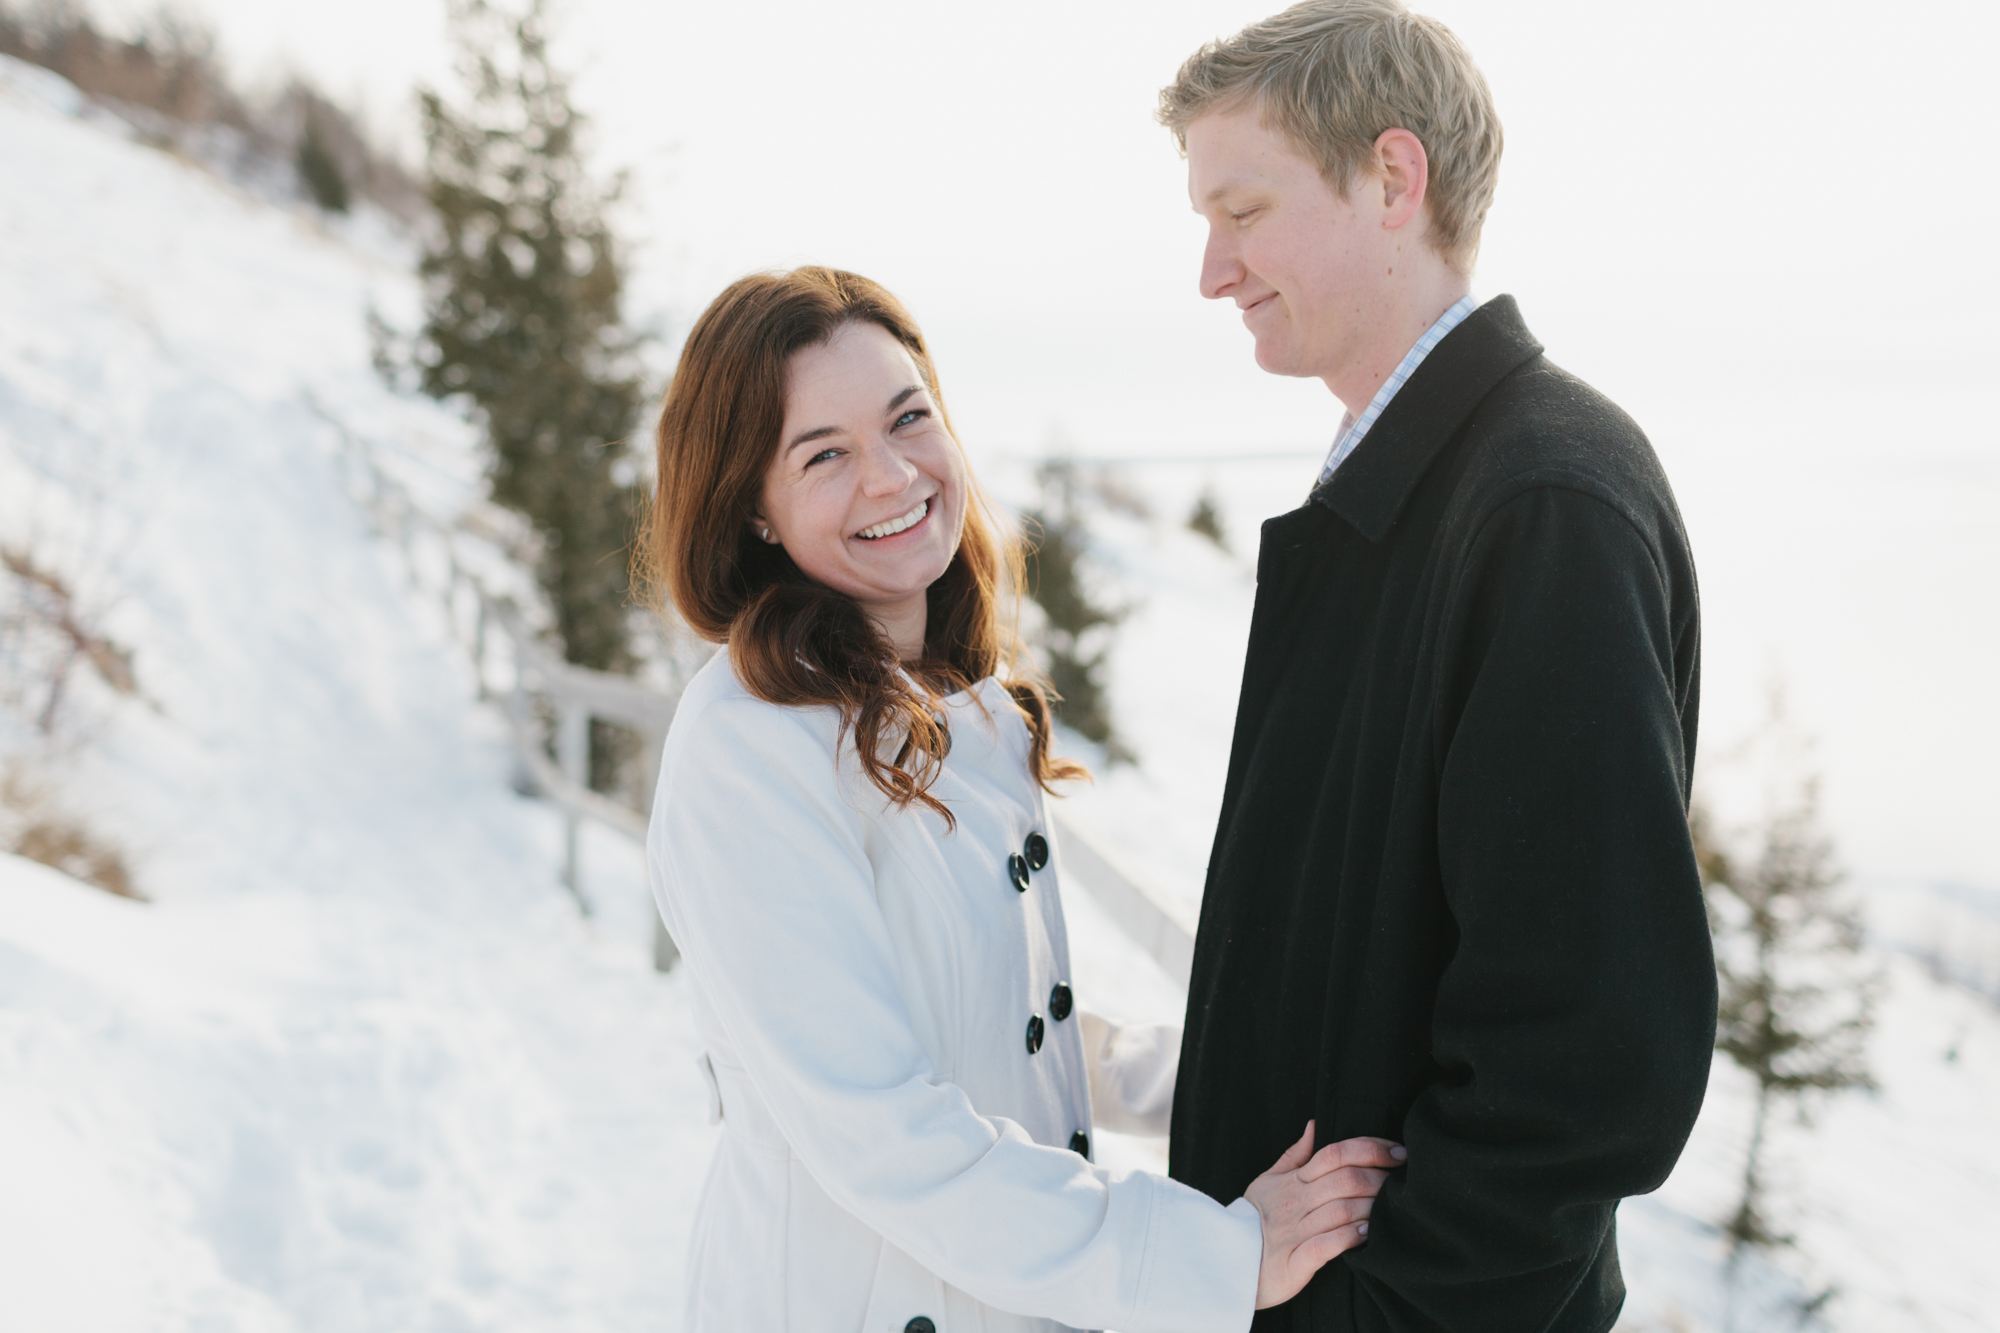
(904, 396)
(807, 436)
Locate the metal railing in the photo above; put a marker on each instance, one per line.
(539, 687)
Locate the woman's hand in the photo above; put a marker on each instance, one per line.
(1316, 1205)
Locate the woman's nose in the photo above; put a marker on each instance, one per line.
(884, 470)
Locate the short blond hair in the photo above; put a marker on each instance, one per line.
(1332, 75)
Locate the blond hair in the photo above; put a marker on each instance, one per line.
(1332, 75)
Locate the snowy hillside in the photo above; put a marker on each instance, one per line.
(359, 1064)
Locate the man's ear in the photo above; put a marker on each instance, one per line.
(1404, 172)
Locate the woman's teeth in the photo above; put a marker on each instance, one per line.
(895, 525)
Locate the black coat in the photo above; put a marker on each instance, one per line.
(1452, 899)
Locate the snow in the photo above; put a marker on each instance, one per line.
(359, 1063)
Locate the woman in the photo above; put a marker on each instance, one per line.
(850, 845)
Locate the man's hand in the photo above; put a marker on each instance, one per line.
(1314, 1206)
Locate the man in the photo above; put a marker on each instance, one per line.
(1452, 899)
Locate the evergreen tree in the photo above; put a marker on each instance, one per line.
(318, 166)
(523, 284)
(1206, 518)
(1794, 1010)
(1076, 639)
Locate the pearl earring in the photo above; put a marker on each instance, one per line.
(765, 533)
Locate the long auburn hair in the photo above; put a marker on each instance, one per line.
(794, 641)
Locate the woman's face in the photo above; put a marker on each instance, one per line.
(867, 491)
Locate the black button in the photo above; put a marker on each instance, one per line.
(1017, 870)
(1061, 1001)
(1079, 1142)
(1037, 848)
(921, 1324)
(1034, 1034)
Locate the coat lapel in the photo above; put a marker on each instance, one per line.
(1370, 488)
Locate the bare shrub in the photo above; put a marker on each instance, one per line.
(166, 76)
(169, 65)
(31, 827)
(43, 637)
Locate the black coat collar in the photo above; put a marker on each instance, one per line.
(1369, 489)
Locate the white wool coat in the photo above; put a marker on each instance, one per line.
(894, 1157)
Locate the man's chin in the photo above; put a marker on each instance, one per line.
(1276, 360)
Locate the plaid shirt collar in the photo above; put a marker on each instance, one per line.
(1352, 428)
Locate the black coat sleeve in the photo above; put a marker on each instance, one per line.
(1575, 1015)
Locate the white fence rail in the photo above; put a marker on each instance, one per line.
(1144, 915)
(539, 688)
(544, 697)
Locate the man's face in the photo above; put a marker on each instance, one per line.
(1308, 268)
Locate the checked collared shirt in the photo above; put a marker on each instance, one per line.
(1352, 428)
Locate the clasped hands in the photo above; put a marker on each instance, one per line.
(1315, 1206)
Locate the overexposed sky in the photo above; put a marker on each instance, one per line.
(1763, 226)
(1723, 197)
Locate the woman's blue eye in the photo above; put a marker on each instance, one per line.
(822, 456)
(914, 414)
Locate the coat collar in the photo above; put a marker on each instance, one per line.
(1370, 488)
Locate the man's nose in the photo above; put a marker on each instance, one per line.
(884, 470)
(1220, 268)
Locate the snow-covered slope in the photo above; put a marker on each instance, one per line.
(359, 1065)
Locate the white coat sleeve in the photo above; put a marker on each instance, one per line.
(1132, 1071)
(773, 898)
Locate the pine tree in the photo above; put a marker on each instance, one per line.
(1795, 1011)
(1076, 637)
(318, 166)
(1206, 518)
(523, 285)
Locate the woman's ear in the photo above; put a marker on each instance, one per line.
(760, 527)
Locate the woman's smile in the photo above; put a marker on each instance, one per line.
(898, 525)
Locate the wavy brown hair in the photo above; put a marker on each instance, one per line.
(794, 641)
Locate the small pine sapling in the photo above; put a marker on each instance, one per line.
(1206, 519)
(1795, 1008)
(319, 168)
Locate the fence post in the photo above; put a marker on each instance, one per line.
(393, 513)
(479, 641)
(573, 757)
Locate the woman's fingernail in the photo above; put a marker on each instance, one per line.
(1361, 1230)
(1399, 1152)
